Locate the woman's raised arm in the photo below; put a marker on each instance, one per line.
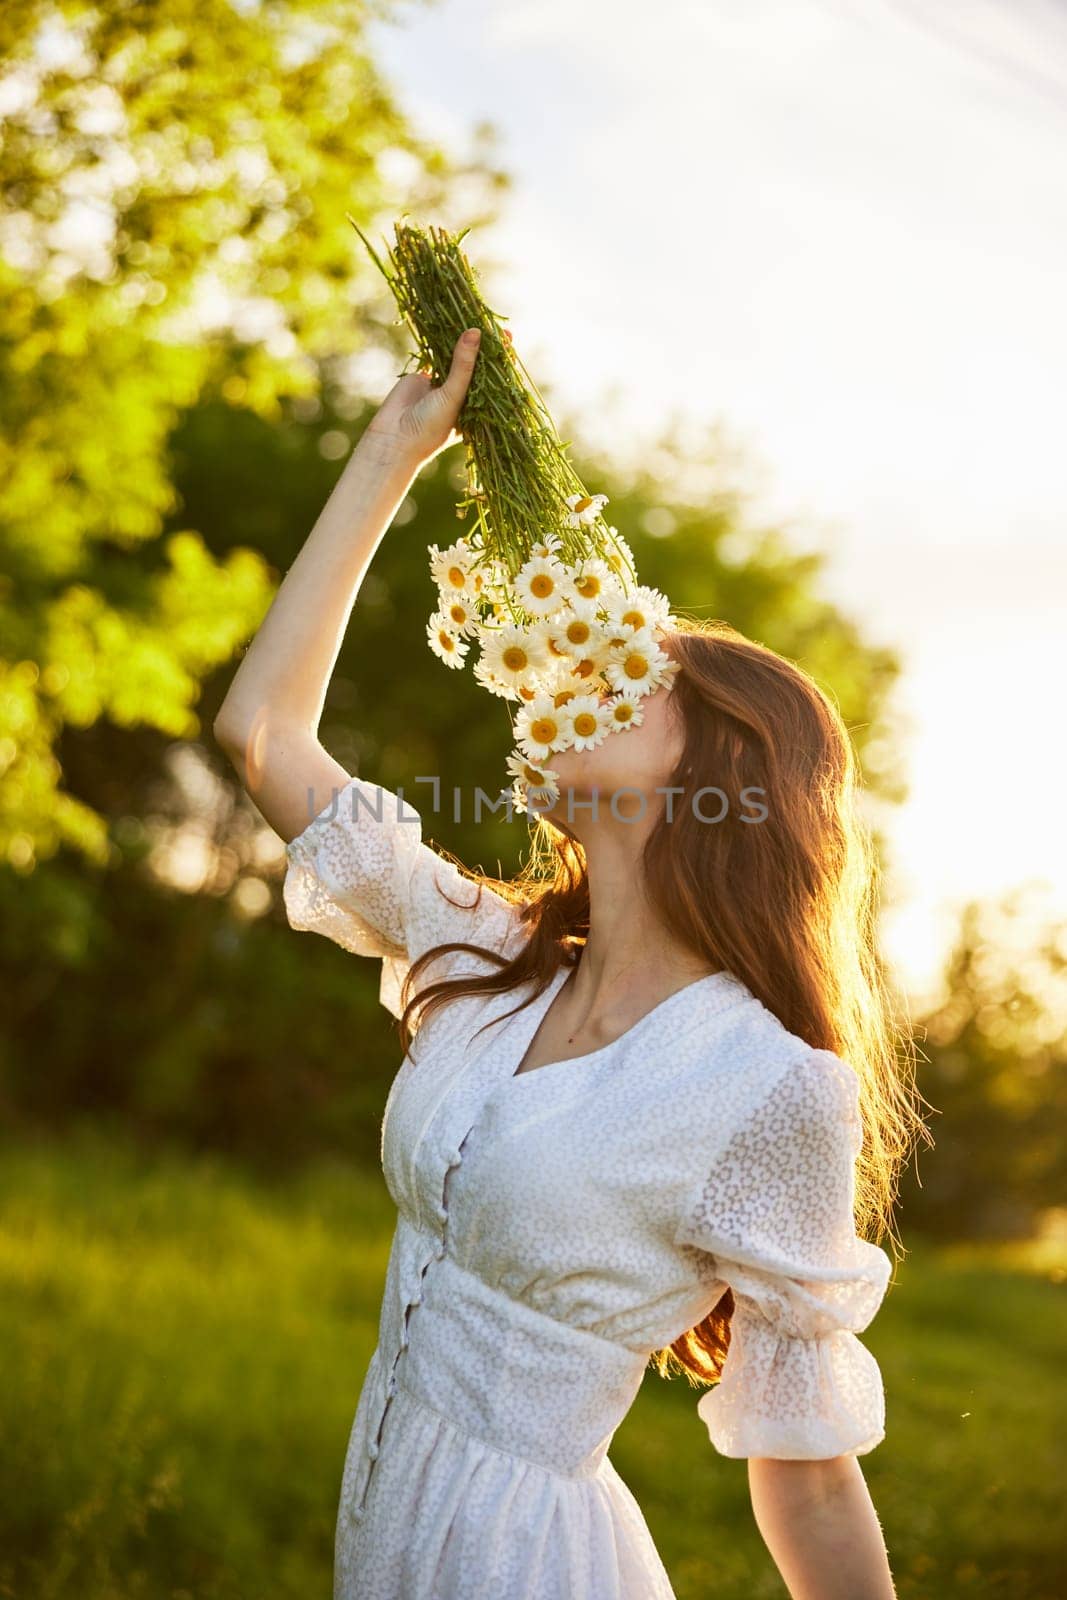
(268, 722)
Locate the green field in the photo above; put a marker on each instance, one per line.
(183, 1345)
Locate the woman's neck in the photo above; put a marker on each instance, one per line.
(630, 960)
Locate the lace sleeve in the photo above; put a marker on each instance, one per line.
(361, 875)
(776, 1215)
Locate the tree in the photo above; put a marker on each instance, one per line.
(175, 177)
(996, 1071)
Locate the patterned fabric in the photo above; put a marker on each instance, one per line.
(556, 1227)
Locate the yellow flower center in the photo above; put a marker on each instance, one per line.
(578, 632)
(588, 586)
(543, 730)
(561, 696)
(477, 580)
(623, 713)
(635, 617)
(533, 775)
(586, 666)
(554, 648)
(584, 503)
(515, 658)
(445, 639)
(457, 577)
(584, 724)
(527, 694)
(614, 560)
(458, 613)
(635, 665)
(542, 584)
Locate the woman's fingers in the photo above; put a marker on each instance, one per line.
(419, 417)
(407, 391)
(461, 370)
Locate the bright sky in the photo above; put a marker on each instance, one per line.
(840, 228)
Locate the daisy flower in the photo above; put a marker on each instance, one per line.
(522, 689)
(527, 798)
(539, 728)
(512, 653)
(644, 608)
(638, 663)
(616, 634)
(476, 587)
(575, 631)
(555, 655)
(587, 722)
(620, 558)
(624, 711)
(563, 696)
(542, 585)
(589, 668)
(558, 681)
(494, 685)
(568, 652)
(581, 681)
(566, 690)
(494, 576)
(594, 580)
(591, 661)
(530, 775)
(550, 545)
(584, 508)
(451, 568)
(445, 642)
(459, 614)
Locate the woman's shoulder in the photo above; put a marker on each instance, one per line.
(736, 1024)
(744, 1060)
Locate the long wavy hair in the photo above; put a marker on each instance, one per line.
(789, 907)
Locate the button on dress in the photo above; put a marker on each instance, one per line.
(556, 1227)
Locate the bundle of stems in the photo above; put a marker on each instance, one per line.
(519, 479)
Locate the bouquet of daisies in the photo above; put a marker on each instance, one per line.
(543, 586)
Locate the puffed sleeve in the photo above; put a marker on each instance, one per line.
(776, 1215)
(361, 875)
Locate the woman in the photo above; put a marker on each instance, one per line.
(650, 1098)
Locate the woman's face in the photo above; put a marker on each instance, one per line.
(640, 758)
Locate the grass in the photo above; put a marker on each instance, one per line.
(183, 1346)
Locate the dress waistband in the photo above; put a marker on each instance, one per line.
(514, 1377)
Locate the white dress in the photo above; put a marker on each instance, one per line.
(556, 1227)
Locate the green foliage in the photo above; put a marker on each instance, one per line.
(175, 178)
(996, 1071)
(185, 1344)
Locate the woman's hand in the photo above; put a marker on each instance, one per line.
(416, 421)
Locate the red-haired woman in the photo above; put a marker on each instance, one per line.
(650, 1103)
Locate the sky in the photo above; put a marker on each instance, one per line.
(838, 228)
